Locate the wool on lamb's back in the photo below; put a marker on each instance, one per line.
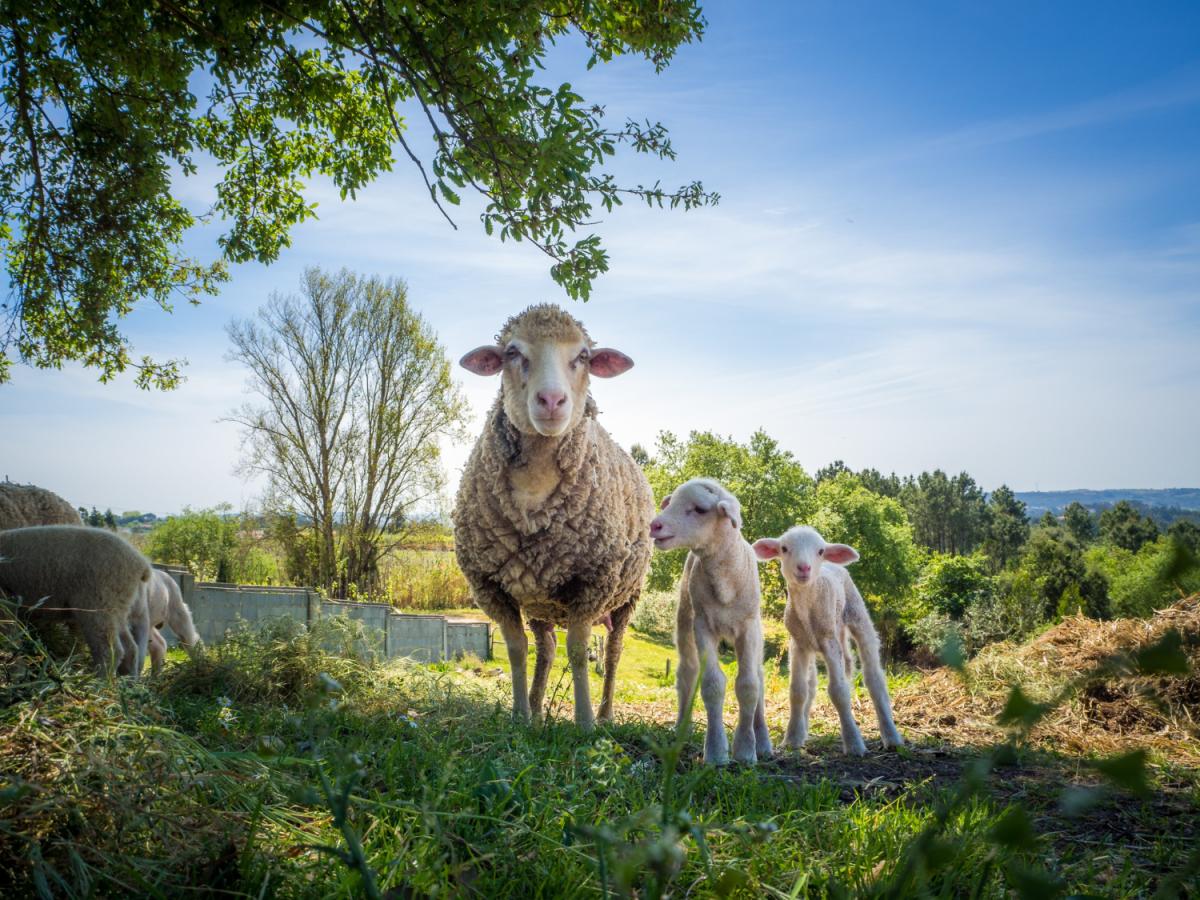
(25, 505)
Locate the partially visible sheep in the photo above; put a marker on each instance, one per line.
(823, 604)
(166, 607)
(552, 517)
(24, 505)
(88, 576)
(719, 599)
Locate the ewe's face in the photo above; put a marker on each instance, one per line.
(801, 552)
(546, 378)
(695, 515)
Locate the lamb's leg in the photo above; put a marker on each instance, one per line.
(801, 665)
(689, 659)
(139, 623)
(579, 636)
(868, 652)
(619, 619)
(748, 687)
(128, 650)
(762, 735)
(158, 652)
(712, 691)
(547, 643)
(839, 693)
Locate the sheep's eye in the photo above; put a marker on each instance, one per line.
(512, 353)
(821, 552)
(783, 549)
(698, 510)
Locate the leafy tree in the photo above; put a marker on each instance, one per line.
(1138, 582)
(878, 483)
(203, 540)
(1052, 563)
(1187, 533)
(1007, 527)
(354, 394)
(833, 470)
(771, 486)
(1081, 523)
(1123, 526)
(98, 115)
(951, 584)
(948, 515)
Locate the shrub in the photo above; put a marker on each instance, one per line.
(425, 580)
(951, 584)
(655, 614)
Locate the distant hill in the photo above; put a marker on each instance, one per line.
(1178, 499)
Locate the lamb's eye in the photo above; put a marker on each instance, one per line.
(821, 552)
(783, 549)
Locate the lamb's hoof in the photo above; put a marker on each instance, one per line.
(585, 723)
(716, 759)
(764, 748)
(892, 741)
(794, 742)
(858, 748)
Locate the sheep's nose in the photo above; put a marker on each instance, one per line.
(803, 570)
(551, 400)
(655, 527)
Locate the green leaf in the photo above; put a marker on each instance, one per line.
(1033, 883)
(1014, 829)
(1164, 657)
(1020, 711)
(731, 880)
(1127, 771)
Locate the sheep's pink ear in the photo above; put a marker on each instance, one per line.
(766, 548)
(486, 360)
(842, 554)
(608, 363)
(729, 508)
(665, 501)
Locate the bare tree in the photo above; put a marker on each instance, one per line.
(353, 392)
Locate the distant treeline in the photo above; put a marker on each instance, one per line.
(1164, 506)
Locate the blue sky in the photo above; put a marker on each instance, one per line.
(952, 235)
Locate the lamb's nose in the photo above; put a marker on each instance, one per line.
(655, 527)
(551, 400)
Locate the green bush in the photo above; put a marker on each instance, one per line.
(1137, 581)
(949, 585)
(655, 614)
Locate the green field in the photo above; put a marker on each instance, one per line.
(269, 768)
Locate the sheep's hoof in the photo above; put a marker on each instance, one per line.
(892, 741)
(764, 748)
(857, 748)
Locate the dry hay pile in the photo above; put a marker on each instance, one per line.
(1106, 715)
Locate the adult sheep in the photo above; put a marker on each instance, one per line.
(87, 576)
(551, 522)
(25, 505)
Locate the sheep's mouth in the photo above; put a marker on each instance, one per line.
(662, 540)
(803, 579)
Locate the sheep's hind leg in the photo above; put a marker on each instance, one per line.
(612, 656)
(579, 635)
(547, 643)
(839, 693)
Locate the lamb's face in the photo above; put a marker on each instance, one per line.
(694, 516)
(547, 360)
(801, 552)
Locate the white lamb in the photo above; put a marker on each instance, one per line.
(166, 607)
(719, 599)
(823, 604)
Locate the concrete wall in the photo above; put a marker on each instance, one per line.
(216, 608)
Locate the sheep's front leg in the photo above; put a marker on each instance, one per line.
(839, 693)
(547, 643)
(518, 648)
(712, 691)
(579, 635)
(748, 687)
(802, 670)
(103, 639)
(612, 657)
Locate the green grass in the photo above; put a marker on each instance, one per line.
(257, 770)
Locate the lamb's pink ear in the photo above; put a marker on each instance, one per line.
(842, 554)
(730, 509)
(665, 501)
(487, 360)
(606, 362)
(766, 548)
